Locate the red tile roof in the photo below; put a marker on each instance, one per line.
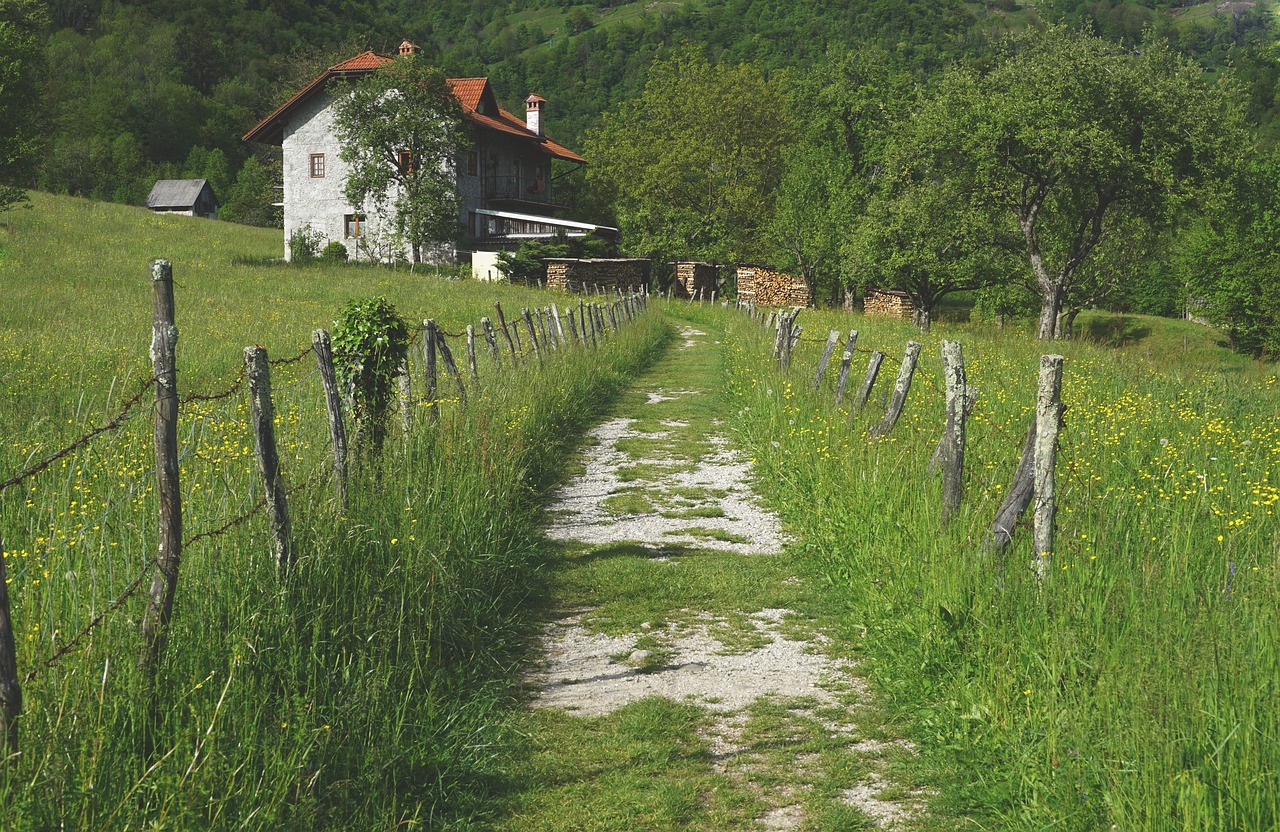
(469, 92)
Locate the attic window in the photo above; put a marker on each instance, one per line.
(317, 165)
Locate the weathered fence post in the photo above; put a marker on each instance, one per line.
(533, 331)
(573, 327)
(262, 413)
(548, 343)
(491, 341)
(164, 363)
(559, 325)
(333, 405)
(450, 367)
(900, 390)
(471, 356)
(1019, 496)
(1049, 410)
(790, 336)
(406, 398)
(582, 318)
(846, 360)
(10, 690)
(502, 324)
(868, 382)
(953, 437)
(832, 338)
(429, 363)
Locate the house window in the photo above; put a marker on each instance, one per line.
(354, 225)
(404, 162)
(473, 163)
(317, 165)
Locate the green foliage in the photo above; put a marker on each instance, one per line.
(20, 24)
(335, 251)
(249, 200)
(304, 245)
(691, 167)
(370, 345)
(400, 129)
(525, 264)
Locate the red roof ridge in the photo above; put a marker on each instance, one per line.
(365, 60)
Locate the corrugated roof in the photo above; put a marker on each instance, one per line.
(175, 193)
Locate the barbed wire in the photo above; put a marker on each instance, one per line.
(280, 362)
(229, 525)
(236, 385)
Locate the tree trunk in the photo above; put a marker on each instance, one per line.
(922, 317)
(1050, 304)
(1067, 324)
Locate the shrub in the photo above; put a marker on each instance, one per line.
(335, 251)
(304, 245)
(371, 342)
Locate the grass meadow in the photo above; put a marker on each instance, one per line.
(1136, 687)
(360, 691)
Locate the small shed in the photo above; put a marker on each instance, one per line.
(888, 303)
(694, 280)
(188, 197)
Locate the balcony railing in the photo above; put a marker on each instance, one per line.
(518, 189)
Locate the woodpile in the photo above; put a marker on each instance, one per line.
(766, 286)
(694, 280)
(888, 303)
(591, 275)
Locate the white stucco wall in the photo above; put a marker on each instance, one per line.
(484, 266)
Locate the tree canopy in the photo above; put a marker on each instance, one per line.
(20, 25)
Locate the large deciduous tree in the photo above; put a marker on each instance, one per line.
(692, 165)
(1070, 134)
(400, 129)
(21, 22)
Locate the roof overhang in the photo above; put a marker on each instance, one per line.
(556, 222)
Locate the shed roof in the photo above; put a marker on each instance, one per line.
(176, 193)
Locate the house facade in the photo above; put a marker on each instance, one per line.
(503, 179)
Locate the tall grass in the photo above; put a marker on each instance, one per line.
(1137, 686)
(358, 691)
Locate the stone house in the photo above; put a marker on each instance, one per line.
(503, 178)
(188, 197)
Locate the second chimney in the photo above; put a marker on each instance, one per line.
(533, 113)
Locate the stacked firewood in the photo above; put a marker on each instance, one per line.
(766, 286)
(694, 280)
(888, 303)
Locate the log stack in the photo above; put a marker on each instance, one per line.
(694, 280)
(766, 286)
(599, 274)
(888, 303)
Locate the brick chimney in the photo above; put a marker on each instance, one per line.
(408, 48)
(533, 113)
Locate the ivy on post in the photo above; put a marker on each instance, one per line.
(164, 364)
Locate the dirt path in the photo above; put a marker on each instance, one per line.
(679, 589)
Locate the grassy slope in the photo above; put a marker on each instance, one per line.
(361, 691)
(1137, 687)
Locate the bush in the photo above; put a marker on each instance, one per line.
(371, 343)
(335, 251)
(304, 245)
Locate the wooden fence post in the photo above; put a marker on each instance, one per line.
(582, 318)
(429, 362)
(491, 340)
(450, 367)
(846, 360)
(10, 690)
(559, 325)
(789, 338)
(832, 338)
(262, 413)
(533, 332)
(953, 437)
(333, 405)
(164, 363)
(1019, 495)
(573, 327)
(548, 343)
(1049, 410)
(900, 390)
(471, 355)
(502, 324)
(868, 382)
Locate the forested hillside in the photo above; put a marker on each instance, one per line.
(132, 91)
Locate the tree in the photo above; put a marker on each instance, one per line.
(20, 25)
(1069, 133)
(692, 165)
(400, 129)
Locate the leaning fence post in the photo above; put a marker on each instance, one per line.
(589, 324)
(533, 331)
(262, 412)
(573, 327)
(429, 361)
(164, 363)
(502, 324)
(953, 438)
(450, 367)
(555, 317)
(491, 340)
(846, 360)
(333, 404)
(471, 355)
(832, 338)
(1019, 495)
(868, 382)
(900, 390)
(1049, 410)
(10, 690)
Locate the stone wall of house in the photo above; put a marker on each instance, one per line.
(888, 303)
(569, 274)
(694, 280)
(766, 286)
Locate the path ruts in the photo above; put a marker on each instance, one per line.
(685, 681)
